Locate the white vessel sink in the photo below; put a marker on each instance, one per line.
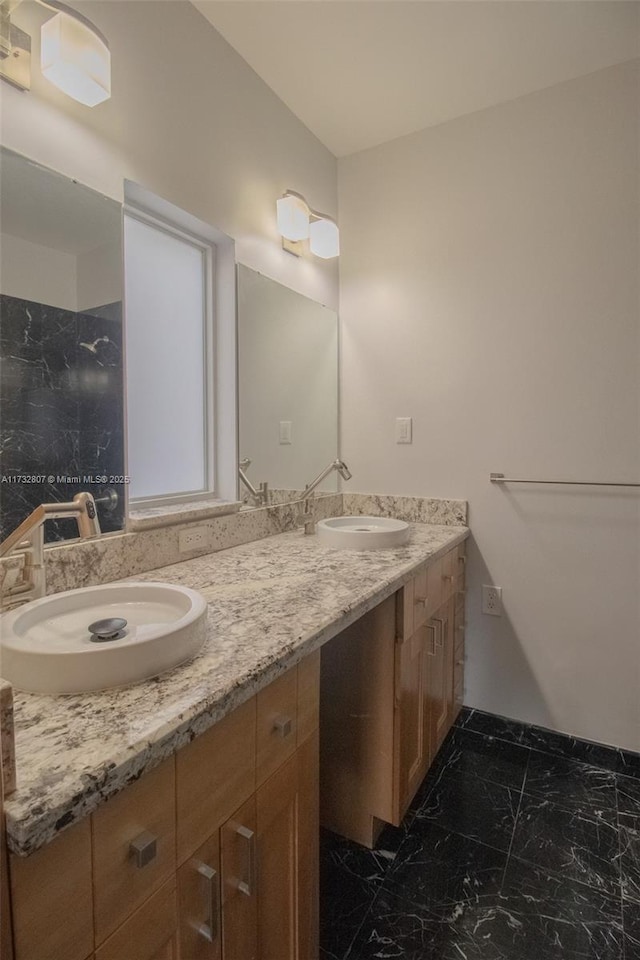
(46, 646)
(362, 533)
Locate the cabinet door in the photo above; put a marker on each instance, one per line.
(440, 681)
(238, 841)
(410, 725)
(287, 808)
(277, 864)
(199, 903)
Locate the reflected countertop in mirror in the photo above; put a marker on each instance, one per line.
(61, 369)
(288, 388)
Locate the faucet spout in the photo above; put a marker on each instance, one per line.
(307, 512)
(28, 538)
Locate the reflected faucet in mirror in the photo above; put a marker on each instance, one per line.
(28, 539)
(306, 515)
(259, 497)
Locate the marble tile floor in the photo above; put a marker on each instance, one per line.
(521, 844)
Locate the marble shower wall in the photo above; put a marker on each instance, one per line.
(61, 410)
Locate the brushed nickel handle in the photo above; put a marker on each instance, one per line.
(283, 726)
(447, 578)
(422, 601)
(432, 652)
(460, 626)
(248, 886)
(459, 663)
(462, 559)
(209, 929)
(143, 849)
(440, 640)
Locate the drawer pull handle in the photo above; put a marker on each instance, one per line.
(459, 663)
(440, 633)
(248, 886)
(209, 929)
(432, 652)
(460, 626)
(447, 578)
(283, 726)
(421, 601)
(462, 560)
(143, 849)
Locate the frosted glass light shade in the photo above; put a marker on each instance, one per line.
(76, 59)
(293, 218)
(324, 238)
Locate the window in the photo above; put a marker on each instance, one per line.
(169, 361)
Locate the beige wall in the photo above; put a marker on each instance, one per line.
(189, 120)
(489, 289)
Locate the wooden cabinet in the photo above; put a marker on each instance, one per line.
(210, 856)
(391, 687)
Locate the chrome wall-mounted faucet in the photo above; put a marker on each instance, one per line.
(28, 539)
(306, 515)
(260, 496)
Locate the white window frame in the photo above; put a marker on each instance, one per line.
(208, 250)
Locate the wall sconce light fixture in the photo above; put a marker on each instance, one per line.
(74, 55)
(298, 223)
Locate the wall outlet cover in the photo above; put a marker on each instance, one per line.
(491, 600)
(193, 538)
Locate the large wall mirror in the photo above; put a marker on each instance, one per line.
(288, 388)
(61, 383)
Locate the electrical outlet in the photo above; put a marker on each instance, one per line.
(194, 538)
(492, 600)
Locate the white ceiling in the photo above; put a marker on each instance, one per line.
(361, 72)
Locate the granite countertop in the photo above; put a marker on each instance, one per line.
(270, 603)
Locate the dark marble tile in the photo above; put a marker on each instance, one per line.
(575, 786)
(630, 862)
(631, 927)
(558, 917)
(628, 801)
(474, 808)
(61, 395)
(526, 922)
(549, 741)
(397, 928)
(438, 869)
(487, 758)
(493, 726)
(350, 877)
(575, 844)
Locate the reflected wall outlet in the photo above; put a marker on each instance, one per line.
(196, 538)
(492, 600)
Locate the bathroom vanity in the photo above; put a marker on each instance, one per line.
(178, 818)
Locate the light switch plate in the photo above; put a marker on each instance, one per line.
(404, 429)
(285, 431)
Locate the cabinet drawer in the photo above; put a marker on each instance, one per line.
(150, 933)
(277, 730)
(144, 815)
(308, 696)
(214, 775)
(51, 897)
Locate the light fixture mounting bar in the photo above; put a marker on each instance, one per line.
(15, 50)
